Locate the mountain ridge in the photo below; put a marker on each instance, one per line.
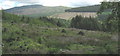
(91, 8)
(36, 10)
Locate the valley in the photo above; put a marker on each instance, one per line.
(36, 29)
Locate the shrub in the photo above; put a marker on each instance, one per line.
(4, 30)
(81, 33)
(52, 50)
(63, 31)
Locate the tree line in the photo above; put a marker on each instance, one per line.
(110, 24)
(85, 23)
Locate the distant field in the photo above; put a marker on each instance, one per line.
(70, 15)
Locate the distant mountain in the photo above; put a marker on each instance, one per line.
(93, 8)
(37, 10)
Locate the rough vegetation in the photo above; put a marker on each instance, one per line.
(43, 35)
(37, 36)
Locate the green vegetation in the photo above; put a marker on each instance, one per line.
(0, 32)
(111, 23)
(43, 35)
(93, 8)
(23, 35)
(85, 23)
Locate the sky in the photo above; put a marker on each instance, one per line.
(6, 4)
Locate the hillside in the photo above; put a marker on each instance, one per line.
(70, 15)
(93, 8)
(36, 10)
(57, 12)
(23, 35)
(86, 11)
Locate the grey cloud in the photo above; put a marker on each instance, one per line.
(78, 4)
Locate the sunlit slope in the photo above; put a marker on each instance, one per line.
(70, 15)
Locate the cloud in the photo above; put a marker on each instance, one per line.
(26, 1)
(60, 2)
(69, 3)
(7, 4)
(22, 4)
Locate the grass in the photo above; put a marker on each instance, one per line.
(36, 37)
(52, 40)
